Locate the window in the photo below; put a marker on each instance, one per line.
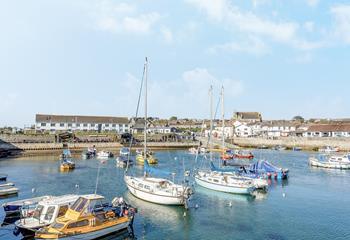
(92, 124)
(57, 225)
(78, 124)
(43, 124)
(79, 204)
(49, 213)
(61, 124)
(37, 211)
(106, 125)
(140, 185)
(85, 125)
(62, 211)
(147, 187)
(79, 224)
(120, 125)
(53, 124)
(113, 125)
(69, 125)
(215, 180)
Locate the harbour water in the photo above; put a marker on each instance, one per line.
(312, 204)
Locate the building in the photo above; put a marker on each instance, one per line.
(53, 123)
(328, 130)
(247, 116)
(279, 128)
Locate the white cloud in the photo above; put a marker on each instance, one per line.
(123, 18)
(341, 14)
(309, 26)
(249, 24)
(312, 3)
(167, 34)
(304, 58)
(252, 45)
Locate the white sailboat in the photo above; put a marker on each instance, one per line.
(154, 189)
(222, 181)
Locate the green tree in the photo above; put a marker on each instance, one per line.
(172, 118)
(298, 118)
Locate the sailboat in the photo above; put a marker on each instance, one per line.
(222, 181)
(155, 189)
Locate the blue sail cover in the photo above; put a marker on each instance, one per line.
(151, 170)
(262, 166)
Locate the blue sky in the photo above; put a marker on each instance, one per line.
(282, 58)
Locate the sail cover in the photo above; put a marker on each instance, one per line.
(217, 169)
(262, 166)
(151, 170)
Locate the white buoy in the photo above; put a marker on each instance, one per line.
(283, 195)
(230, 204)
(33, 190)
(196, 206)
(185, 214)
(76, 185)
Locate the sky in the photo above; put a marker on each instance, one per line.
(85, 57)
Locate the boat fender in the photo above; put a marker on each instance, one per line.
(126, 212)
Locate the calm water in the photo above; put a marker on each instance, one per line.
(315, 206)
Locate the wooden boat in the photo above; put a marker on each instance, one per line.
(90, 218)
(336, 162)
(44, 214)
(15, 207)
(243, 154)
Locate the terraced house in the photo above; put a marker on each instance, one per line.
(53, 123)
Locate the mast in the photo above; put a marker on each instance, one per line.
(211, 121)
(145, 127)
(223, 120)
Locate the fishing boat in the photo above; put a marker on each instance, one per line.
(15, 207)
(124, 151)
(149, 156)
(90, 218)
(336, 162)
(243, 154)
(67, 164)
(279, 148)
(155, 189)
(124, 161)
(328, 149)
(104, 154)
(44, 214)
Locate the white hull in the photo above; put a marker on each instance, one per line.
(336, 165)
(152, 197)
(223, 188)
(8, 191)
(97, 234)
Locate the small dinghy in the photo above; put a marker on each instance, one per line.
(104, 154)
(122, 161)
(3, 177)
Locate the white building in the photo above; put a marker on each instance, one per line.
(159, 129)
(53, 123)
(278, 128)
(328, 130)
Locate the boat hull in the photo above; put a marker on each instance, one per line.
(155, 198)
(314, 162)
(8, 191)
(95, 234)
(222, 188)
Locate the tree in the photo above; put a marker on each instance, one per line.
(298, 118)
(172, 118)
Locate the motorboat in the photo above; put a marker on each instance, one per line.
(90, 218)
(44, 214)
(335, 161)
(124, 151)
(224, 182)
(243, 154)
(328, 149)
(15, 207)
(8, 190)
(124, 161)
(193, 150)
(149, 157)
(279, 148)
(67, 164)
(3, 177)
(89, 153)
(104, 154)
(297, 149)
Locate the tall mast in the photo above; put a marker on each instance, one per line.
(211, 122)
(223, 117)
(145, 127)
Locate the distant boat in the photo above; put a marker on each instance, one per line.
(243, 154)
(279, 148)
(297, 149)
(336, 162)
(328, 149)
(6, 191)
(3, 177)
(124, 161)
(15, 207)
(44, 214)
(104, 154)
(124, 151)
(90, 218)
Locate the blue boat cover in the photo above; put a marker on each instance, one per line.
(151, 170)
(262, 166)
